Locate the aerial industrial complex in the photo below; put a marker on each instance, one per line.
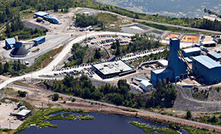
(204, 67)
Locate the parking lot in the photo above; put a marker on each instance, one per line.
(107, 40)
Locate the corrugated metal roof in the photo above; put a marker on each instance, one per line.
(206, 61)
(215, 54)
(39, 38)
(10, 41)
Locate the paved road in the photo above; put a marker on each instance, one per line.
(146, 113)
(164, 24)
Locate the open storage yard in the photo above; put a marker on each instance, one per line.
(190, 38)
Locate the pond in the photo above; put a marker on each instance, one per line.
(102, 124)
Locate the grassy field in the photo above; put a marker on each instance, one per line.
(106, 17)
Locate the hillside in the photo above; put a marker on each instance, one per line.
(175, 8)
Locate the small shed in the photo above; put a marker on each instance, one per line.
(146, 85)
(39, 40)
(23, 114)
(214, 55)
(10, 43)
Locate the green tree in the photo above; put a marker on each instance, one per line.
(97, 54)
(22, 93)
(6, 67)
(55, 97)
(55, 7)
(188, 115)
(1, 68)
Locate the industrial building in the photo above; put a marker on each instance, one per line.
(45, 16)
(9, 43)
(214, 55)
(195, 51)
(208, 43)
(39, 40)
(19, 50)
(207, 68)
(40, 14)
(176, 69)
(112, 69)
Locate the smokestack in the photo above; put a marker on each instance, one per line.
(16, 38)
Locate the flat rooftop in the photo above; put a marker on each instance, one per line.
(215, 54)
(161, 70)
(206, 61)
(113, 67)
(190, 50)
(40, 13)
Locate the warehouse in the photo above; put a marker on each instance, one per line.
(195, 51)
(112, 69)
(207, 68)
(40, 14)
(39, 40)
(214, 55)
(9, 43)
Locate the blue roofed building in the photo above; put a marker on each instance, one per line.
(214, 55)
(39, 40)
(207, 68)
(40, 14)
(10, 43)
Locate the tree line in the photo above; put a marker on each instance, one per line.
(119, 95)
(13, 68)
(140, 42)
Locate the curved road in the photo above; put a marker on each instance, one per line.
(68, 47)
